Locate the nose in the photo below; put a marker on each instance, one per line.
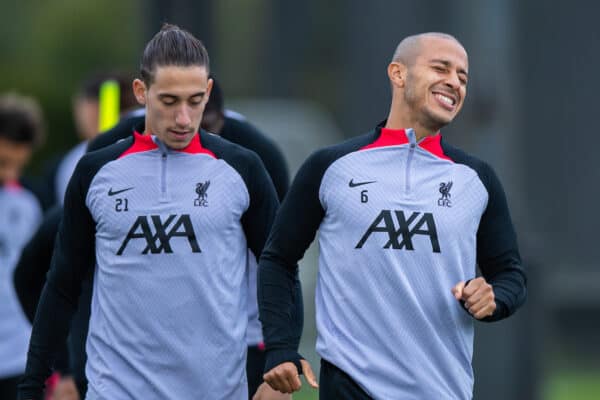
(183, 117)
(453, 81)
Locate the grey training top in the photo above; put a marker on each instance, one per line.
(171, 232)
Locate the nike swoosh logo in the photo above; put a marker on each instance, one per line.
(352, 184)
(111, 193)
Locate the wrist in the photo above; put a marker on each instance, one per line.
(274, 357)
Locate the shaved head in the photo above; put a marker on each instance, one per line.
(409, 48)
(428, 76)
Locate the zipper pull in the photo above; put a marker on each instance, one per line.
(161, 146)
(412, 137)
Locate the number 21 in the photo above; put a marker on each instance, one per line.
(121, 205)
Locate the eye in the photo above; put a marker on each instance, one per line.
(439, 68)
(168, 101)
(196, 100)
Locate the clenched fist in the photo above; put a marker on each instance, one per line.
(478, 296)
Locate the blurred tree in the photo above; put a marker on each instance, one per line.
(48, 47)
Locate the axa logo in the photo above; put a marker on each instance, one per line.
(400, 232)
(444, 201)
(157, 233)
(201, 188)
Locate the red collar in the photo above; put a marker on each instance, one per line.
(143, 143)
(396, 137)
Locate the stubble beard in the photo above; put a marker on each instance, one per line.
(423, 116)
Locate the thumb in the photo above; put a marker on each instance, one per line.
(309, 374)
(457, 290)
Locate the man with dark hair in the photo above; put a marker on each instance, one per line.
(403, 220)
(168, 217)
(21, 130)
(31, 270)
(224, 122)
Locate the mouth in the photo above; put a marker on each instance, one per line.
(180, 134)
(446, 100)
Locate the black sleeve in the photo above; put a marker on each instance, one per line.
(258, 218)
(293, 231)
(257, 223)
(246, 135)
(122, 130)
(78, 335)
(278, 170)
(72, 259)
(497, 250)
(34, 263)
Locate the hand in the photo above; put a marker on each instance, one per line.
(266, 392)
(478, 296)
(285, 378)
(66, 390)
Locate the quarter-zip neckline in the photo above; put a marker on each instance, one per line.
(164, 151)
(412, 144)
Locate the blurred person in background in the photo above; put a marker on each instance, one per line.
(29, 278)
(86, 118)
(404, 219)
(30, 273)
(50, 188)
(169, 312)
(21, 130)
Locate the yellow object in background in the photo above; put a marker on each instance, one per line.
(108, 105)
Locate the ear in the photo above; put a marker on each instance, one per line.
(139, 91)
(397, 74)
(208, 90)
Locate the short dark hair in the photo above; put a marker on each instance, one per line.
(21, 119)
(172, 46)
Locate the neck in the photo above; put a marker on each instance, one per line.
(401, 117)
(395, 121)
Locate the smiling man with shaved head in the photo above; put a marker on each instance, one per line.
(404, 221)
(428, 75)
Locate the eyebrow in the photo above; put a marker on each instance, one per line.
(172, 96)
(448, 64)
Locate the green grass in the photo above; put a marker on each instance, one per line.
(580, 385)
(306, 393)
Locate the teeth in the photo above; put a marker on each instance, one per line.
(445, 99)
